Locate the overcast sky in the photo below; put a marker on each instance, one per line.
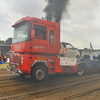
(79, 27)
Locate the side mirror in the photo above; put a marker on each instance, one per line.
(32, 34)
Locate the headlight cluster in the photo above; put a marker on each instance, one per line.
(21, 58)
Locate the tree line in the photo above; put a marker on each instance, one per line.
(6, 42)
(90, 49)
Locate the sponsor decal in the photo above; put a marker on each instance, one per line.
(68, 61)
(50, 59)
(40, 58)
(40, 48)
(51, 37)
(65, 51)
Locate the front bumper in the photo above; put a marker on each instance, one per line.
(14, 70)
(14, 65)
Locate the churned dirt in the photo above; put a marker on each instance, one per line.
(55, 87)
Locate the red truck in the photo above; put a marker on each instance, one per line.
(36, 50)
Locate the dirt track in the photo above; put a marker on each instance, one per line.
(56, 87)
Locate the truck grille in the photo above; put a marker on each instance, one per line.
(17, 59)
(14, 58)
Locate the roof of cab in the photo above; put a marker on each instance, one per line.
(42, 21)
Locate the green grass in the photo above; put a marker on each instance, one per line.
(3, 66)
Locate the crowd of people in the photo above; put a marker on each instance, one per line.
(3, 58)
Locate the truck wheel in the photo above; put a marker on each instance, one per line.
(80, 71)
(38, 73)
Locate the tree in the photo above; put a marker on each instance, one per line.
(9, 41)
(85, 48)
(2, 42)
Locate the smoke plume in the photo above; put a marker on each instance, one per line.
(55, 9)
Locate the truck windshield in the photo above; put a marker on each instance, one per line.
(22, 33)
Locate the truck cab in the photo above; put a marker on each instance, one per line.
(36, 42)
(25, 36)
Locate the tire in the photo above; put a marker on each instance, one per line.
(38, 73)
(80, 71)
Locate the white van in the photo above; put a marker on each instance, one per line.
(67, 50)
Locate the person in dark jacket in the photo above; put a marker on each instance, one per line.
(4, 58)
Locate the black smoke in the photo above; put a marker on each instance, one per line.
(55, 9)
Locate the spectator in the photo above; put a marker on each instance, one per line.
(4, 59)
(2, 55)
(1, 60)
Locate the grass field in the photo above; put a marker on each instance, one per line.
(3, 66)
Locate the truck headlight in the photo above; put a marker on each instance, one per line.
(21, 58)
